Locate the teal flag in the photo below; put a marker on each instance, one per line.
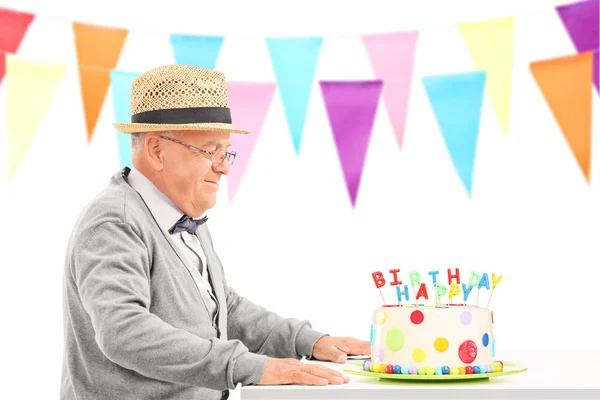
(120, 88)
(199, 51)
(294, 62)
(456, 101)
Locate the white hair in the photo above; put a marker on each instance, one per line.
(138, 139)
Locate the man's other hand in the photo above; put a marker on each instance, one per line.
(336, 349)
(284, 371)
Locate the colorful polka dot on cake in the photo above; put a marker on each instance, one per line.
(416, 317)
(441, 344)
(381, 317)
(485, 340)
(394, 339)
(419, 355)
(466, 318)
(379, 354)
(467, 351)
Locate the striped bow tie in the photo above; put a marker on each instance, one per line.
(185, 223)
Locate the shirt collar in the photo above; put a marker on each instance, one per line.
(162, 208)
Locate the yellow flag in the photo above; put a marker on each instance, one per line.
(491, 45)
(30, 87)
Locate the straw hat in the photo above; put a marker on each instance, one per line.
(179, 97)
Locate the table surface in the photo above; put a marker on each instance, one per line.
(550, 375)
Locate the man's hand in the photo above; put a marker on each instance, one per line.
(336, 349)
(284, 371)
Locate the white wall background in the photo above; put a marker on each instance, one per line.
(291, 240)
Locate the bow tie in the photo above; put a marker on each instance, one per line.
(185, 223)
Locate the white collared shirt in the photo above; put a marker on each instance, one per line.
(167, 214)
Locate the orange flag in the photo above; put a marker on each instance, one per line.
(98, 51)
(566, 85)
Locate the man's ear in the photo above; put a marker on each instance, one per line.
(153, 147)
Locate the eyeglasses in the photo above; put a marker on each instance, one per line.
(217, 156)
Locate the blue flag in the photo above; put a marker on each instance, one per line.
(199, 51)
(456, 101)
(121, 82)
(295, 61)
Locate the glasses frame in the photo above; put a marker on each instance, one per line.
(229, 155)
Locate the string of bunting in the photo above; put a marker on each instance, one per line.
(456, 99)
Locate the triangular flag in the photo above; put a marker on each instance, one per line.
(199, 51)
(13, 26)
(24, 110)
(351, 108)
(295, 61)
(121, 82)
(98, 51)
(581, 22)
(249, 104)
(456, 101)
(491, 44)
(565, 84)
(392, 56)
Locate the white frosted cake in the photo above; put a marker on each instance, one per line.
(432, 340)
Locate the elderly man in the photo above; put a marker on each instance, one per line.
(148, 312)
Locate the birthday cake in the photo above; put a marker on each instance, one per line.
(434, 339)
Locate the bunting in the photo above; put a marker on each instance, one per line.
(24, 110)
(581, 22)
(249, 104)
(565, 84)
(199, 51)
(121, 82)
(294, 62)
(456, 101)
(491, 45)
(392, 56)
(13, 27)
(351, 108)
(98, 50)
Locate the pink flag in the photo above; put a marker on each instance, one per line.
(249, 103)
(351, 107)
(392, 56)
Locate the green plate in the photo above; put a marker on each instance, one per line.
(509, 369)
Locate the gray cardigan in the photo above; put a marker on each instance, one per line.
(134, 323)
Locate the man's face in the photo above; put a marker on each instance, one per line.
(192, 176)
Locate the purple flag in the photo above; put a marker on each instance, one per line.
(581, 21)
(351, 108)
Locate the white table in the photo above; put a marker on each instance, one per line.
(550, 375)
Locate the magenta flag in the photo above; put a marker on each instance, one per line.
(581, 21)
(392, 56)
(249, 103)
(351, 107)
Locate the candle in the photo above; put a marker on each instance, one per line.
(379, 283)
(422, 293)
(441, 290)
(400, 293)
(466, 291)
(454, 291)
(456, 276)
(495, 282)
